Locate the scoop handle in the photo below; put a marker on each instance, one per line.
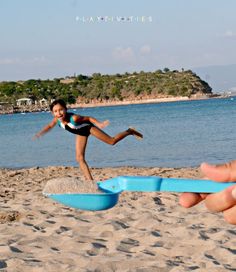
(155, 184)
(193, 185)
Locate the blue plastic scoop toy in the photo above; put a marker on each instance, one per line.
(112, 188)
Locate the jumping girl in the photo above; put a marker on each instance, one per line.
(83, 126)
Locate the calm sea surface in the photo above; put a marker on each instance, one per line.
(176, 134)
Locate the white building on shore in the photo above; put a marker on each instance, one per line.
(24, 102)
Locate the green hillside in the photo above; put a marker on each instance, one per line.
(108, 87)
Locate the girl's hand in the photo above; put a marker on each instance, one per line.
(103, 124)
(224, 201)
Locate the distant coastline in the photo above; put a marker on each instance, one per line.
(108, 103)
(142, 101)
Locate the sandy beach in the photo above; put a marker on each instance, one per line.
(146, 100)
(144, 232)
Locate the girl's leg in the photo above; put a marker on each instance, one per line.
(81, 142)
(101, 135)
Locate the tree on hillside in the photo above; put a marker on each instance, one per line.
(166, 70)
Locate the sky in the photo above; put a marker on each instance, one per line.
(48, 39)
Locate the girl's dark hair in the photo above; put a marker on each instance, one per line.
(58, 101)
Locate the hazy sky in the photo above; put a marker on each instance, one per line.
(55, 38)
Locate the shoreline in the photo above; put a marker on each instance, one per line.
(142, 101)
(95, 168)
(111, 103)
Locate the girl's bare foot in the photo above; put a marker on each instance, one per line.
(135, 133)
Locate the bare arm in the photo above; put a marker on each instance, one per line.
(45, 129)
(94, 121)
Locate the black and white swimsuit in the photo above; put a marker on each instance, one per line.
(82, 129)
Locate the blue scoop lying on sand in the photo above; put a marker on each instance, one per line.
(112, 188)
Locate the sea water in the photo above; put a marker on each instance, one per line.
(176, 134)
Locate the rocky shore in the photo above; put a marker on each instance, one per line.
(24, 109)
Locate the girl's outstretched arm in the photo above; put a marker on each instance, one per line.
(92, 120)
(45, 129)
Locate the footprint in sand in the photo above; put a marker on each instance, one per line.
(97, 249)
(9, 216)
